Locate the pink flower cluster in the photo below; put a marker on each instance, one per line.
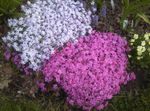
(90, 71)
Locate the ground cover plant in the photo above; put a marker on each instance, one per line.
(74, 55)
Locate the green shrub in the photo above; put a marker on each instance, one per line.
(9, 9)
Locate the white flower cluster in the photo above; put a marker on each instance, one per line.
(142, 45)
(47, 25)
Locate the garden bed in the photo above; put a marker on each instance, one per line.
(18, 89)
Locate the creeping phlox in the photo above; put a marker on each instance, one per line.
(141, 47)
(90, 71)
(46, 25)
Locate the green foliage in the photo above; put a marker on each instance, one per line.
(134, 100)
(99, 3)
(41, 103)
(137, 9)
(9, 9)
(54, 101)
(7, 104)
(144, 17)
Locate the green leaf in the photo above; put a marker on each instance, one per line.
(144, 17)
(8, 7)
(99, 3)
(133, 8)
